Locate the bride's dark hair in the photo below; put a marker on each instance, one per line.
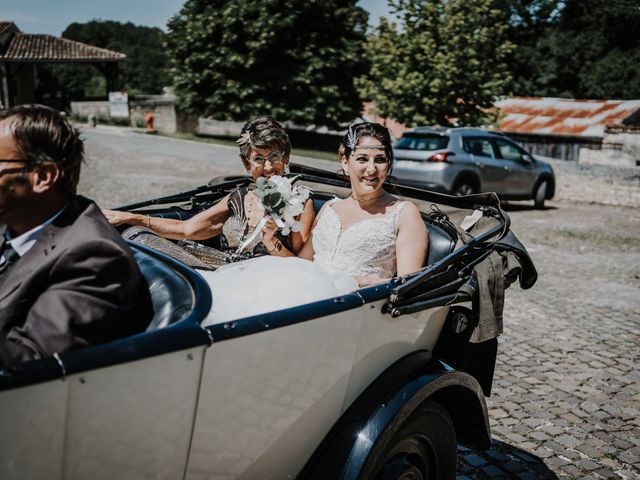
(366, 129)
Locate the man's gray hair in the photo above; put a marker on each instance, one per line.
(42, 135)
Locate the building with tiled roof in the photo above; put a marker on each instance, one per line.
(566, 128)
(20, 52)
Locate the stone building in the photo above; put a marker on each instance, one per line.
(21, 52)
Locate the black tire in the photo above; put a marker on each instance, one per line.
(464, 187)
(423, 449)
(540, 195)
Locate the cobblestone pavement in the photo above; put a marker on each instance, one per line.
(566, 400)
(566, 396)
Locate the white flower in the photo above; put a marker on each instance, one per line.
(282, 201)
(282, 185)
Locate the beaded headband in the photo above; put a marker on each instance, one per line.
(352, 142)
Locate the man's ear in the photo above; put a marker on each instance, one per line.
(45, 176)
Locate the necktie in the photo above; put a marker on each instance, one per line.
(10, 257)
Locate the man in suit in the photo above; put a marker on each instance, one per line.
(67, 279)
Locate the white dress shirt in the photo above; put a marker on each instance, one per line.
(23, 243)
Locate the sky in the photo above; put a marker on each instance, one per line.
(53, 16)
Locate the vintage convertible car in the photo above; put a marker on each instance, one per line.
(380, 383)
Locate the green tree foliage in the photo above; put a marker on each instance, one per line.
(145, 70)
(577, 49)
(293, 59)
(596, 48)
(530, 62)
(444, 64)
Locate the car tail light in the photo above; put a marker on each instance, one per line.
(440, 157)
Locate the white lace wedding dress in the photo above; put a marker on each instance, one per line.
(267, 284)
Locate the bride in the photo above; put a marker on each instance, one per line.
(366, 238)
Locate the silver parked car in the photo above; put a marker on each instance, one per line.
(462, 161)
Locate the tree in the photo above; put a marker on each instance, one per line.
(530, 62)
(445, 64)
(293, 59)
(595, 49)
(145, 70)
(576, 48)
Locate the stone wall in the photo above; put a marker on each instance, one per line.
(217, 128)
(593, 183)
(619, 148)
(163, 108)
(99, 108)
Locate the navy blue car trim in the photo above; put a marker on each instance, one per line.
(284, 318)
(184, 334)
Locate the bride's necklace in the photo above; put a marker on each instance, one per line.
(366, 201)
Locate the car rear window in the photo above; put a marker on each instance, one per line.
(412, 141)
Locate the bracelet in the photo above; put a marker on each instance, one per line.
(277, 246)
(148, 221)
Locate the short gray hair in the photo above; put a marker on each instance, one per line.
(262, 132)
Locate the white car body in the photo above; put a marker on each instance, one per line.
(248, 399)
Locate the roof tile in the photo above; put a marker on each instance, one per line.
(560, 116)
(38, 47)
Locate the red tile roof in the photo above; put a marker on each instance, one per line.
(560, 116)
(47, 48)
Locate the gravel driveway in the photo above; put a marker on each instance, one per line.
(566, 399)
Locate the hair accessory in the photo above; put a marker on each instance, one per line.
(352, 140)
(244, 138)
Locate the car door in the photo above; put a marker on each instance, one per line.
(518, 166)
(483, 157)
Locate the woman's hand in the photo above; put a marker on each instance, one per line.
(268, 233)
(116, 218)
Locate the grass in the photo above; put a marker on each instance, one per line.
(230, 142)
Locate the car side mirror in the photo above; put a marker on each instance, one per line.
(526, 158)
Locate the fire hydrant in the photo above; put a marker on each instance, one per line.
(148, 118)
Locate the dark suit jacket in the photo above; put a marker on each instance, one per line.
(78, 285)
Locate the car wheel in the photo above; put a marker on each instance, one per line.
(540, 196)
(464, 188)
(424, 448)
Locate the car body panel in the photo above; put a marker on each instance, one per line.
(32, 422)
(273, 392)
(384, 339)
(143, 430)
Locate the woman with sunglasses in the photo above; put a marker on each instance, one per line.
(264, 152)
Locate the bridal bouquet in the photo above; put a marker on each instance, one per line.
(281, 201)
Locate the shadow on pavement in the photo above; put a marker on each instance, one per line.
(501, 461)
(522, 207)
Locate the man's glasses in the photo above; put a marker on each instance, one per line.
(7, 171)
(276, 158)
